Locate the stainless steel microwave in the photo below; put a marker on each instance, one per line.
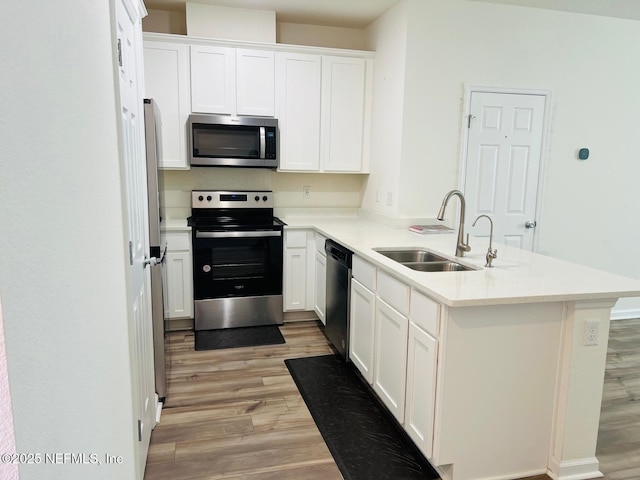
(224, 141)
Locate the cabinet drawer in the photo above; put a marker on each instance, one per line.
(178, 241)
(364, 272)
(394, 292)
(296, 238)
(425, 313)
(320, 239)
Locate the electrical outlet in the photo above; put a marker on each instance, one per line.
(306, 191)
(389, 199)
(591, 332)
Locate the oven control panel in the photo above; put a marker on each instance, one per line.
(231, 199)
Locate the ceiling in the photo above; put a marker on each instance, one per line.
(360, 13)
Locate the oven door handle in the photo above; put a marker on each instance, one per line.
(259, 233)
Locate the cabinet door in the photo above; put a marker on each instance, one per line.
(295, 273)
(255, 80)
(390, 368)
(320, 286)
(298, 110)
(362, 329)
(166, 78)
(342, 125)
(179, 287)
(213, 79)
(421, 388)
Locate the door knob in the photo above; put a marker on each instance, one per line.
(531, 224)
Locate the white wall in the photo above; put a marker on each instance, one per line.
(388, 37)
(321, 36)
(164, 21)
(62, 274)
(230, 23)
(327, 190)
(590, 211)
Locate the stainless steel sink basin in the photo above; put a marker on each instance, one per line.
(422, 260)
(437, 266)
(414, 255)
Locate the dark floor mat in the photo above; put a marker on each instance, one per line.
(238, 337)
(366, 443)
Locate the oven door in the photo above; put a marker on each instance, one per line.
(237, 263)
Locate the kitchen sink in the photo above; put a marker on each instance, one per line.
(447, 266)
(410, 256)
(422, 260)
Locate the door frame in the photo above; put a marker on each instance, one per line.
(546, 134)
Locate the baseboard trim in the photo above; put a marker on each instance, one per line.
(583, 469)
(178, 324)
(625, 314)
(299, 316)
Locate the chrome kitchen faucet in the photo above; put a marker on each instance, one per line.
(461, 246)
(491, 253)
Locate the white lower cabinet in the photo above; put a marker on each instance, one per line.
(295, 273)
(178, 294)
(299, 267)
(362, 329)
(394, 344)
(422, 360)
(390, 368)
(421, 388)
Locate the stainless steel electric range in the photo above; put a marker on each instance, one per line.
(237, 259)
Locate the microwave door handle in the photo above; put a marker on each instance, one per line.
(263, 142)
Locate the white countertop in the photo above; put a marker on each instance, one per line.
(175, 225)
(518, 276)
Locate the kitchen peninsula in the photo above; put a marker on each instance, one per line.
(495, 373)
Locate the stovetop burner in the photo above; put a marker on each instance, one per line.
(225, 209)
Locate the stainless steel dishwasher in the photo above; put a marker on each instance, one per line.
(338, 296)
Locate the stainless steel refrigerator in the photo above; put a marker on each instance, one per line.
(157, 242)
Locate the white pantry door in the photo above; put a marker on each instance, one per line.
(504, 148)
(129, 38)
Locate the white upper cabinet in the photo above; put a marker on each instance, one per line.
(342, 122)
(255, 82)
(321, 97)
(322, 105)
(213, 79)
(232, 81)
(298, 77)
(166, 78)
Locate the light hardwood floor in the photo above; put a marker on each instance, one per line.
(237, 414)
(619, 435)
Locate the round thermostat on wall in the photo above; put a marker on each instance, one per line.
(583, 153)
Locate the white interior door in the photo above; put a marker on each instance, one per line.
(504, 147)
(134, 162)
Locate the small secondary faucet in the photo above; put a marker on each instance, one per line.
(491, 253)
(461, 246)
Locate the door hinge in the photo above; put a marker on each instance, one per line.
(469, 118)
(139, 430)
(119, 52)
(130, 252)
